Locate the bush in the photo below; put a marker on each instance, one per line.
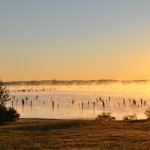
(147, 113)
(130, 117)
(105, 117)
(12, 115)
(3, 110)
(6, 114)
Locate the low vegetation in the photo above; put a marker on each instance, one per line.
(130, 117)
(105, 117)
(6, 114)
(147, 113)
(75, 135)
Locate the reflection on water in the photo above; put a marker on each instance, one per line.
(70, 102)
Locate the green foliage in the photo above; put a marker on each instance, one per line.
(147, 113)
(105, 117)
(6, 114)
(130, 117)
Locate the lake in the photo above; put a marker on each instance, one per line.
(81, 101)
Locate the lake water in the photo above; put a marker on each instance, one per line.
(81, 102)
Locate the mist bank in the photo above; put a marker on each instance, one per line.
(74, 82)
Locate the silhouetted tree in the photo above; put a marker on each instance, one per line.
(6, 114)
(5, 95)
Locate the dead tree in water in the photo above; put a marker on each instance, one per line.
(31, 104)
(82, 105)
(22, 102)
(130, 101)
(72, 102)
(100, 99)
(53, 104)
(141, 102)
(36, 97)
(103, 103)
(124, 103)
(93, 104)
(134, 102)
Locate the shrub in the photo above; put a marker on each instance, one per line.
(147, 113)
(11, 115)
(130, 117)
(3, 110)
(6, 114)
(105, 117)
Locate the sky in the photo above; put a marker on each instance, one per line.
(74, 39)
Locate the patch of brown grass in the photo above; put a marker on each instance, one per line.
(75, 134)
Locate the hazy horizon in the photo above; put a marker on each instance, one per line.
(55, 82)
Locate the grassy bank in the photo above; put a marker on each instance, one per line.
(75, 134)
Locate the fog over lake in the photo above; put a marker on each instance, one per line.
(76, 101)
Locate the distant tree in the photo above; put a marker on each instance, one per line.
(6, 114)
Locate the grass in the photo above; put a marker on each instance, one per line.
(75, 134)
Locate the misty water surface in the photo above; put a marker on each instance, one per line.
(77, 101)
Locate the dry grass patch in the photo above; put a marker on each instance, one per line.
(75, 134)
